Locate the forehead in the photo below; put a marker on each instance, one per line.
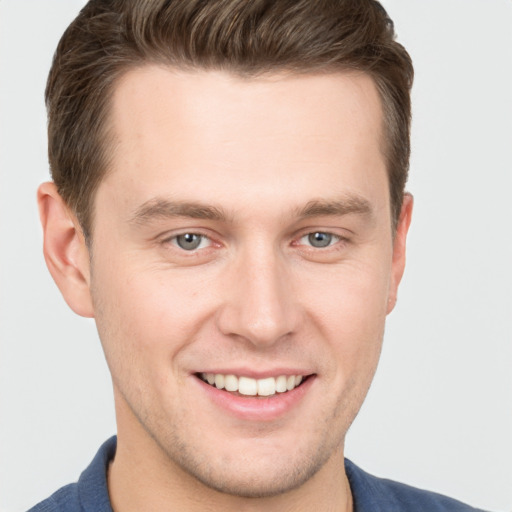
(195, 132)
(154, 95)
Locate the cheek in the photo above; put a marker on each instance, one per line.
(351, 298)
(350, 314)
(144, 313)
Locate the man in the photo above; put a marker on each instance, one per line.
(228, 204)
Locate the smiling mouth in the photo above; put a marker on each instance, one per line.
(247, 386)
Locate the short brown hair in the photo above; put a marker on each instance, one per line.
(247, 37)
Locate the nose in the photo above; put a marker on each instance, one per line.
(260, 304)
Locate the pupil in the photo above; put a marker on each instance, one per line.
(320, 239)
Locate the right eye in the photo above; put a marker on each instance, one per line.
(190, 241)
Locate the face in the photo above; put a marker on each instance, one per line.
(243, 238)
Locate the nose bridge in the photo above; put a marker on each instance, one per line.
(261, 306)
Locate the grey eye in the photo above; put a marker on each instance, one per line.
(190, 241)
(320, 239)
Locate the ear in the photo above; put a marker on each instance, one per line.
(399, 243)
(65, 250)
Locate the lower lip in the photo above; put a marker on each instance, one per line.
(253, 408)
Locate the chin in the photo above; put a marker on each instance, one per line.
(266, 469)
(255, 480)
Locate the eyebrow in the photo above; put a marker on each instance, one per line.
(163, 209)
(349, 204)
(159, 208)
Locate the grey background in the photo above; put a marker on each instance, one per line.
(439, 414)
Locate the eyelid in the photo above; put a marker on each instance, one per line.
(168, 238)
(334, 238)
(335, 233)
(204, 238)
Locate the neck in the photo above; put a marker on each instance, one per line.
(141, 478)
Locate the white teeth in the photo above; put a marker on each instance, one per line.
(281, 384)
(267, 387)
(219, 381)
(231, 383)
(247, 386)
(252, 387)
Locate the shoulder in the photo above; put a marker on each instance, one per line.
(378, 495)
(90, 493)
(65, 499)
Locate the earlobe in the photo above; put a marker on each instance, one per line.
(399, 250)
(65, 250)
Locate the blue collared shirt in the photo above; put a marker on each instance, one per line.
(370, 494)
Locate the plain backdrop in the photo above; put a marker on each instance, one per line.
(439, 414)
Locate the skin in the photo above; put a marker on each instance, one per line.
(256, 296)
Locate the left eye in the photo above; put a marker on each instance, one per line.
(191, 241)
(319, 239)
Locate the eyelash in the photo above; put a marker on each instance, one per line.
(333, 240)
(204, 238)
(172, 241)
